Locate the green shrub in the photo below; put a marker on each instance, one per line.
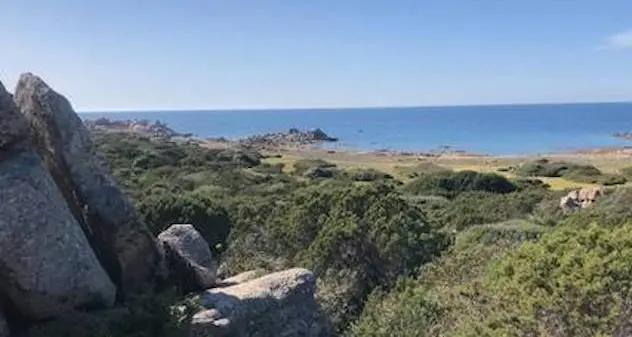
(319, 172)
(451, 184)
(206, 215)
(300, 166)
(567, 170)
(611, 180)
(543, 168)
(367, 175)
(574, 282)
(476, 208)
(415, 171)
(354, 237)
(626, 172)
(407, 312)
(267, 168)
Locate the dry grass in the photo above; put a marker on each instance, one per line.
(396, 164)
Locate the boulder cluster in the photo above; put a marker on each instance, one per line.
(71, 242)
(582, 198)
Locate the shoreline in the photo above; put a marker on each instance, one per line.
(316, 139)
(287, 148)
(616, 151)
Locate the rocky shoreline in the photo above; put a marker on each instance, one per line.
(296, 138)
(292, 137)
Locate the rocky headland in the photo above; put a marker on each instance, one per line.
(293, 137)
(74, 250)
(142, 126)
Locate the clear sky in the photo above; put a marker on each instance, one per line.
(196, 54)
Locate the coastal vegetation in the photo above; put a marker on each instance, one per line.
(430, 252)
(570, 171)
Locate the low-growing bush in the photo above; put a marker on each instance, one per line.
(205, 214)
(574, 282)
(476, 208)
(451, 184)
(301, 166)
(367, 175)
(571, 171)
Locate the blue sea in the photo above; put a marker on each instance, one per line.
(498, 130)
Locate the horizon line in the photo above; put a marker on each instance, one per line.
(323, 108)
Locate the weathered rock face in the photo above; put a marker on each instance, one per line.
(189, 257)
(278, 304)
(13, 127)
(121, 241)
(47, 266)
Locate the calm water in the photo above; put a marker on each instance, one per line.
(510, 129)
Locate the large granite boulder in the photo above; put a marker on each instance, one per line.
(191, 263)
(278, 304)
(47, 266)
(121, 241)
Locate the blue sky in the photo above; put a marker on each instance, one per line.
(197, 54)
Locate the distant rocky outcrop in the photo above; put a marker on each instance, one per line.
(583, 198)
(293, 137)
(142, 126)
(189, 257)
(278, 304)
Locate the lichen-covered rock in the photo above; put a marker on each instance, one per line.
(47, 266)
(191, 263)
(13, 126)
(122, 242)
(278, 304)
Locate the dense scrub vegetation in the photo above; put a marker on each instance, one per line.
(444, 254)
(571, 171)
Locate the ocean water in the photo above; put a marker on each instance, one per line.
(498, 130)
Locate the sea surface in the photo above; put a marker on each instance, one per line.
(498, 130)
